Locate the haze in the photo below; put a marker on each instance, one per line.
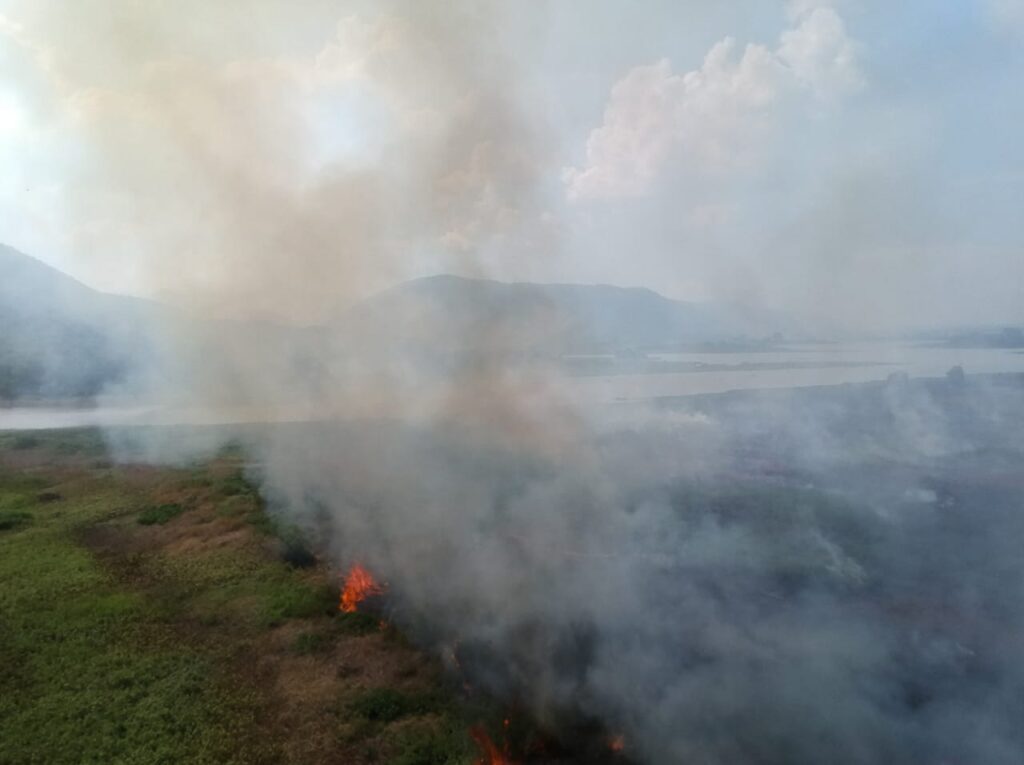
(850, 160)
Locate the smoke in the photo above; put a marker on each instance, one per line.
(288, 185)
(763, 577)
(771, 578)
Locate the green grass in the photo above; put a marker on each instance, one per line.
(357, 623)
(12, 519)
(25, 442)
(160, 514)
(389, 704)
(120, 645)
(313, 642)
(242, 585)
(437, 745)
(78, 683)
(284, 598)
(235, 485)
(90, 670)
(430, 730)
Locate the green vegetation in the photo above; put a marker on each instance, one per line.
(436, 745)
(25, 442)
(295, 550)
(12, 519)
(313, 642)
(195, 630)
(356, 623)
(160, 515)
(388, 704)
(82, 679)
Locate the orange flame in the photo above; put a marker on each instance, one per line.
(617, 743)
(359, 585)
(491, 754)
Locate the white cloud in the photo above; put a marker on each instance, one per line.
(624, 154)
(1007, 14)
(712, 117)
(797, 10)
(820, 55)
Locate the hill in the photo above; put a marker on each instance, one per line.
(457, 313)
(62, 339)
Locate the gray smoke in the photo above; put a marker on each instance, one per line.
(779, 577)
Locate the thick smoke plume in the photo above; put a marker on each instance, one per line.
(777, 577)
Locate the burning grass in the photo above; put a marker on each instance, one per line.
(192, 638)
(359, 585)
(201, 629)
(490, 753)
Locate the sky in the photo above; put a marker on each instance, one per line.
(855, 160)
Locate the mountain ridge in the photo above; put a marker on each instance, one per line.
(64, 339)
(566, 317)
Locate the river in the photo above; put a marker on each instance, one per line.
(794, 367)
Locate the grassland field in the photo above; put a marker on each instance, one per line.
(148, 615)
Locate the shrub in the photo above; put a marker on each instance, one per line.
(450, 746)
(160, 514)
(234, 507)
(236, 484)
(312, 642)
(287, 599)
(356, 623)
(295, 551)
(388, 705)
(12, 519)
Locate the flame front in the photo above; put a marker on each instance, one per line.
(491, 754)
(359, 585)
